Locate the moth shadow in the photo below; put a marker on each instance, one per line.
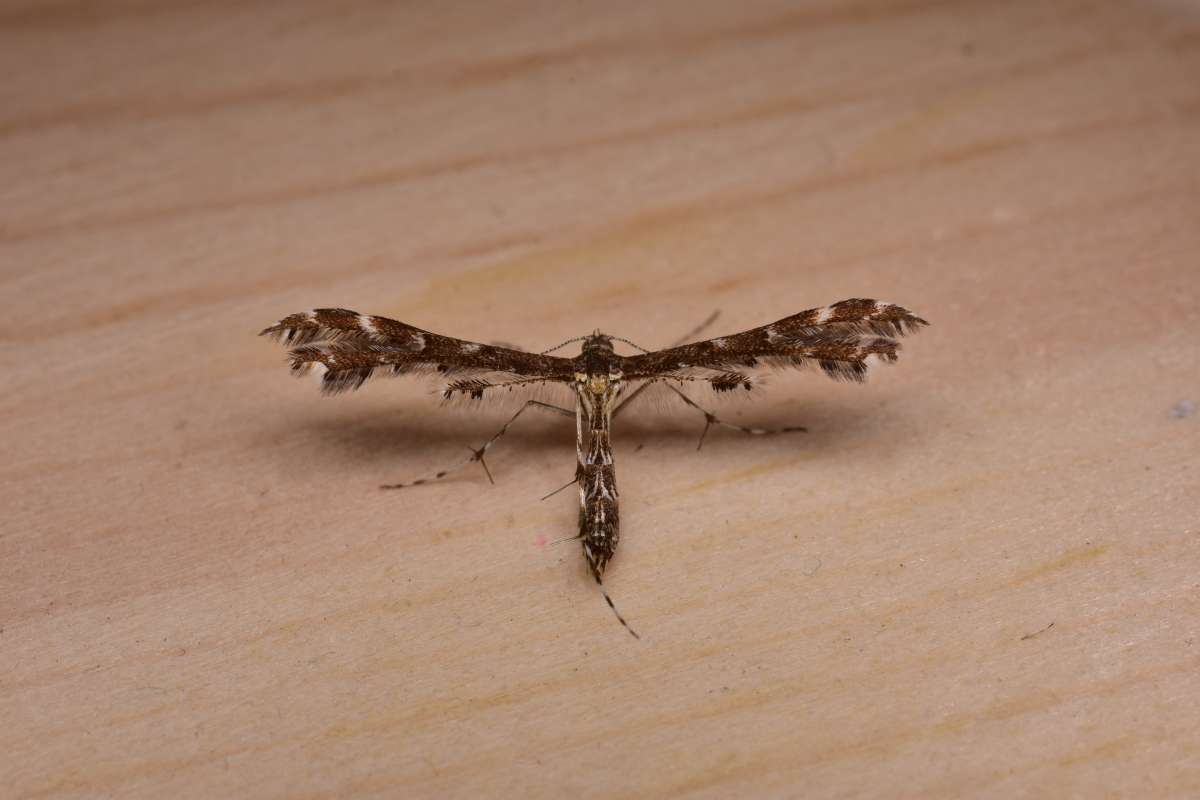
(830, 425)
(402, 446)
(391, 446)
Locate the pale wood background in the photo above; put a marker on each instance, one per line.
(203, 594)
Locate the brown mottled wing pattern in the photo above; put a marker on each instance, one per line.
(842, 339)
(348, 348)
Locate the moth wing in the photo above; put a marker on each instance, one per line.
(842, 340)
(348, 348)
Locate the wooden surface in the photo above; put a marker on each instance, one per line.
(976, 576)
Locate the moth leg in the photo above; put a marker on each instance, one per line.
(477, 454)
(711, 419)
(696, 331)
(629, 398)
(573, 481)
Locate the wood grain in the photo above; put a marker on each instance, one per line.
(975, 576)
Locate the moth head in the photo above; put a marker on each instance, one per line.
(595, 370)
(597, 343)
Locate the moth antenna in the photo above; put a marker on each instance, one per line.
(631, 344)
(564, 344)
(564, 539)
(608, 600)
(682, 339)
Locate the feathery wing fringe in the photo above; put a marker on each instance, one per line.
(841, 339)
(350, 347)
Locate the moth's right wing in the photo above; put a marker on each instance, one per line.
(841, 339)
(348, 348)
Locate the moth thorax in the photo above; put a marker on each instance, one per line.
(599, 383)
(597, 343)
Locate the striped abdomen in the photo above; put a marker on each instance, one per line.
(599, 523)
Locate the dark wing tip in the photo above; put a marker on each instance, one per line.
(916, 322)
(292, 329)
(344, 380)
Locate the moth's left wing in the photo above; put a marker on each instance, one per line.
(841, 339)
(348, 348)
